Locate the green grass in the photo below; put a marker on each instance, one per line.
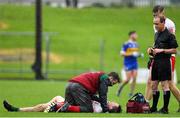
(80, 32)
(28, 93)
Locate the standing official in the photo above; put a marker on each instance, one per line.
(169, 24)
(164, 45)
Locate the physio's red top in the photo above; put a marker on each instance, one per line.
(90, 81)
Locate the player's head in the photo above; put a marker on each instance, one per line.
(133, 35)
(159, 23)
(114, 78)
(158, 11)
(114, 107)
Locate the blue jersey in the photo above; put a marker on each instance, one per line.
(130, 62)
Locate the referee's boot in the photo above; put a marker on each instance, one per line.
(153, 110)
(163, 111)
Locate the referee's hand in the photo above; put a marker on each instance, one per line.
(150, 52)
(156, 51)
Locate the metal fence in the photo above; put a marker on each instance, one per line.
(84, 3)
(17, 54)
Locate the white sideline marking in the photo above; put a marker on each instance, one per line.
(142, 76)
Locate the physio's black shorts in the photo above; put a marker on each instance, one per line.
(161, 70)
(77, 95)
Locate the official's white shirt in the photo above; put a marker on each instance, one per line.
(169, 24)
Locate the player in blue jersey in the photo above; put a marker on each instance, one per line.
(130, 52)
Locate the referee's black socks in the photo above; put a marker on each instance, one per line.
(155, 99)
(167, 95)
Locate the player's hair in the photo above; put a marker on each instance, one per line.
(115, 76)
(158, 8)
(116, 109)
(131, 32)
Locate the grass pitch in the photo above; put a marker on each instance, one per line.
(28, 93)
(80, 32)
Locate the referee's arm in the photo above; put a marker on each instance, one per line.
(173, 45)
(170, 51)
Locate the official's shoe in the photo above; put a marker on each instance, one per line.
(153, 110)
(163, 111)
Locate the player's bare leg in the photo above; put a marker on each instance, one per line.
(37, 108)
(133, 84)
(148, 91)
(175, 91)
(128, 77)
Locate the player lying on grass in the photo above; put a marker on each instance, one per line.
(56, 103)
(130, 52)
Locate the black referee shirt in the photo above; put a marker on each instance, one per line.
(164, 40)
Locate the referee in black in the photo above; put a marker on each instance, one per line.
(164, 45)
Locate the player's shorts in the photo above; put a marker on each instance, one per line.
(56, 99)
(161, 70)
(173, 61)
(130, 67)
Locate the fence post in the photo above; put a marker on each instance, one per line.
(37, 67)
(47, 39)
(101, 57)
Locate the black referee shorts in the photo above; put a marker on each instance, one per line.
(161, 70)
(77, 95)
